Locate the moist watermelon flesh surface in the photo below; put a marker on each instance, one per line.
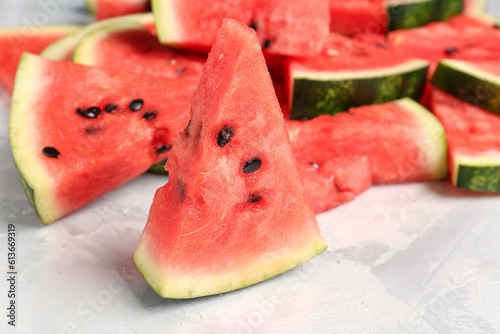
(96, 154)
(403, 140)
(294, 28)
(14, 41)
(106, 9)
(224, 221)
(472, 135)
(135, 48)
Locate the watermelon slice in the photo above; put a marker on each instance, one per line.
(14, 41)
(295, 28)
(474, 143)
(474, 82)
(336, 82)
(63, 48)
(462, 37)
(114, 129)
(128, 44)
(380, 16)
(403, 140)
(234, 211)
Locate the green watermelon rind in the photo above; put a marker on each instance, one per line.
(418, 13)
(432, 138)
(168, 285)
(316, 93)
(25, 151)
(477, 173)
(60, 49)
(468, 83)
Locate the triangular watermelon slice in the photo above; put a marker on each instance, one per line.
(77, 132)
(16, 40)
(234, 211)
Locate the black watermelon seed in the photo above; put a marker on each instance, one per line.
(91, 131)
(315, 165)
(254, 198)
(451, 51)
(80, 112)
(91, 112)
(181, 70)
(252, 165)
(136, 105)
(266, 44)
(186, 130)
(163, 149)
(225, 135)
(110, 107)
(149, 115)
(51, 152)
(253, 25)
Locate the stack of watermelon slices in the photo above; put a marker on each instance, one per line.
(127, 120)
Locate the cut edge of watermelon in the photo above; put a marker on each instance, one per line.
(183, 287)
(477, 164)
(165, 20)
(85, 52)
(36, 181)
(60, 49)
(470, 69)
(321, 75)
(435, 137)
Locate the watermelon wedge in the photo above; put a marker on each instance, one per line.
(128, 44)
(462, 37)
(114, 129)
(329, 84)
(474, 143)
(474, 82)
(381, 16)
(296, 28)
(63, 48)
(234, 212)
(402, 139)
(14, 41)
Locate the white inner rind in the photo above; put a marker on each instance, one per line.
(434, 142)
(170, 284)
(167, 27)
(319, 75)
(24, 140)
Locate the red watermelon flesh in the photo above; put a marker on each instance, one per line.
(14, 41)
(357, 17)
(224, 221)
(96, 141)
(404, 141)
(106, 9)
(136, 49)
